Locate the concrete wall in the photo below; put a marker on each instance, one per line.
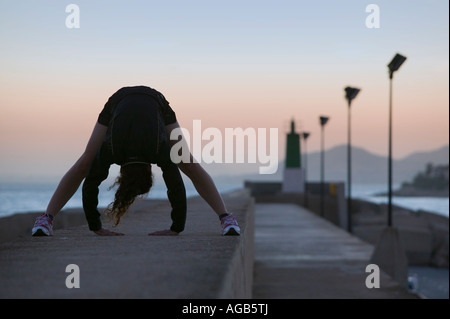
(238, 282)
(425, 235)
(335, 206)
(198, 264)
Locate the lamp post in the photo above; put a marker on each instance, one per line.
(305, 137)
(350, 94)
(389, 254)
(323, 121)
(393, 66)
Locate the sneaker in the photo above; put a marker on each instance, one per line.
(230, 226)
(43, 226)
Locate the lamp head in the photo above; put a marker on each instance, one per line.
(323, 120)
(395, 64)
(351, 93)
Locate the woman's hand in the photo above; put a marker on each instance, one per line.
(105, 232)
(166, 232)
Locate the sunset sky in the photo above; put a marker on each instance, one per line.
(227, 63)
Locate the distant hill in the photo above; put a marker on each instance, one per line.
(371, 168)
(367, 168)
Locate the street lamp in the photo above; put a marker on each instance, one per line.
(350, 94)
(323, 121)
(393, 66)
(305, 137)
(389, 254)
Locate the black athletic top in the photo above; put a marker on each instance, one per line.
(132, 114)
(166, 111)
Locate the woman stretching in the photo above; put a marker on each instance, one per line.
(132, 131)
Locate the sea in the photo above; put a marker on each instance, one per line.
(24, 197)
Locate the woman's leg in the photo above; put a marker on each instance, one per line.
(73, 178)
(207, 189)
(67, 187)
(204, 185)
(43, 226)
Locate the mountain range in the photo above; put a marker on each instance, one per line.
(367, 168)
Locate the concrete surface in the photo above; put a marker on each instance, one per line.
(18, 225)
(200, 263)
(300, 255)
(297, 255)
(425, 235)
(389, 254)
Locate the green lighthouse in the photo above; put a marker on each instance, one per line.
(293, 158)
(293, 179)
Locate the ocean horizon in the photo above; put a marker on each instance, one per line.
(25, 197)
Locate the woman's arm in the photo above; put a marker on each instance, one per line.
(73, 178)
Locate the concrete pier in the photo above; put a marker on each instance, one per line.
(199, 263)
(284, 252)
(299, 255)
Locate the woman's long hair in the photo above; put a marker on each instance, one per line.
(135, 179)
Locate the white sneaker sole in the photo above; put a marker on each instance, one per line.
(39, 231)
(231, 231)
